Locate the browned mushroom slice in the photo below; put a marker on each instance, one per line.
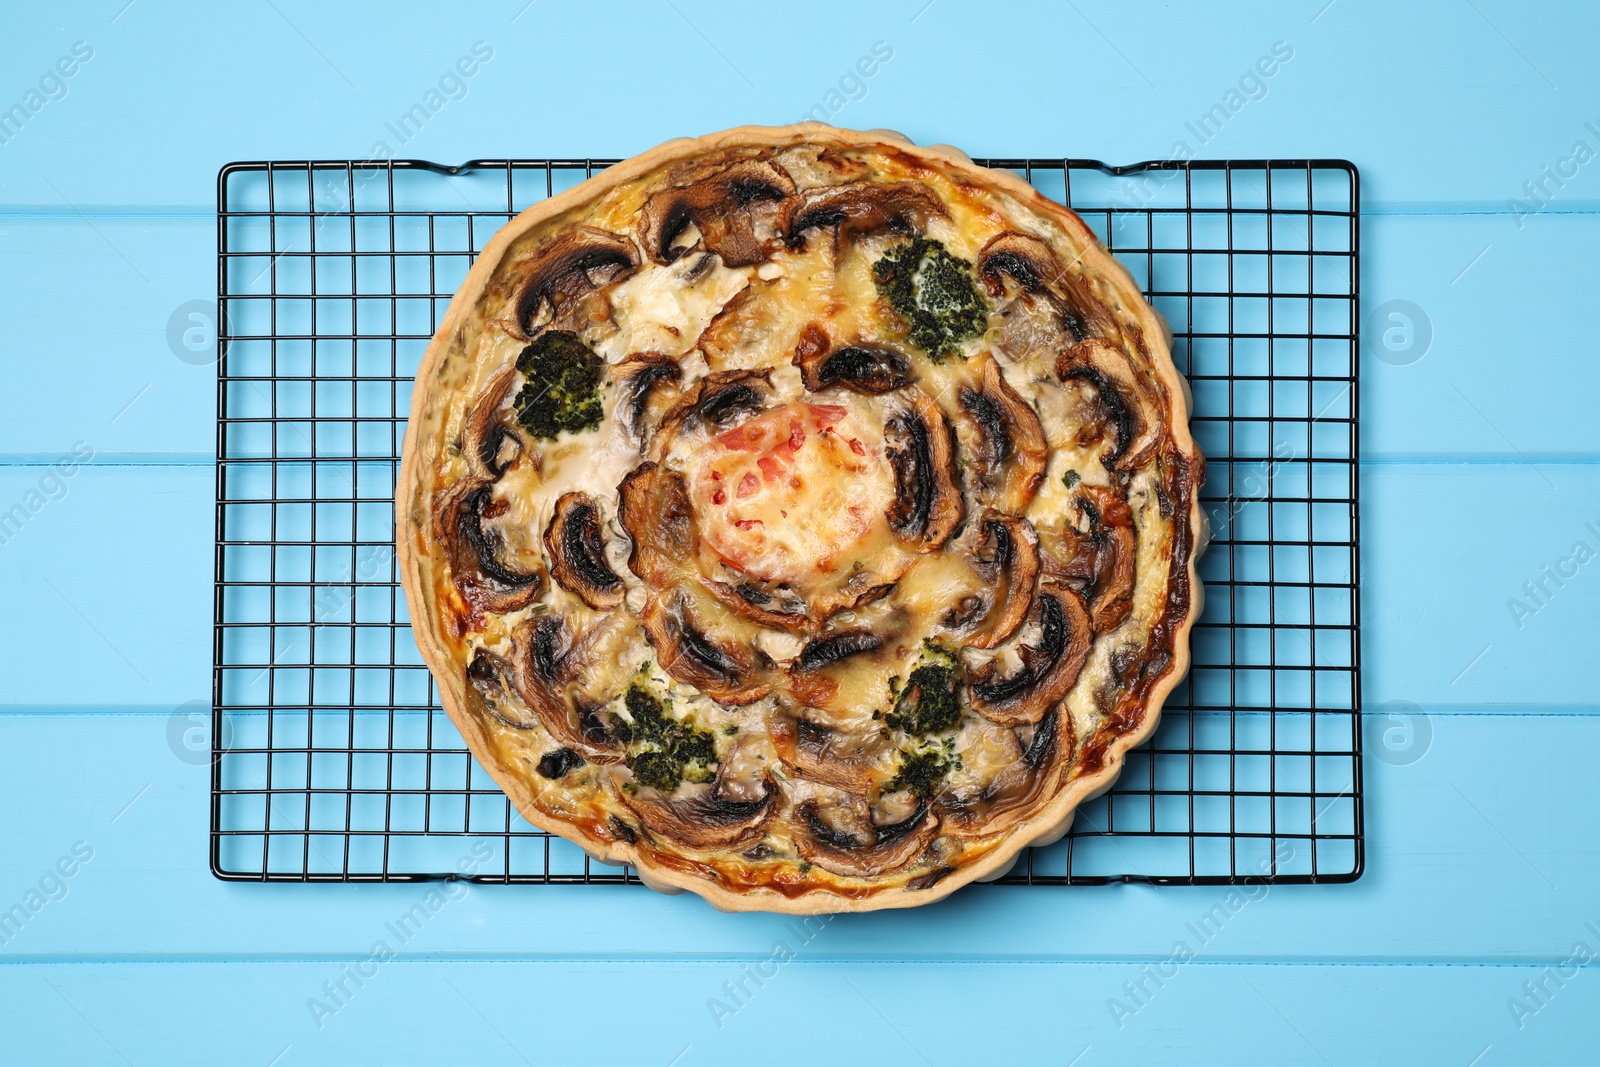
(863, 368)
(1049, 669)
(643, 377)
(547, 666)
(1010, 452)
(1129, 405)
(857, 208)
(725, 206)
(1104, 556)
(927, 502)
(656, 513)
(847, 671)
(843, 839)
(822, 652)
(1004, 551)
(815, 683)
(718, 399)
(474, 551)
(836, 758)
(1009, 796)
(723, 670)
(557, 284)
(490, 690)
(488, 443)
(1030, 326)
(771, 604)
(578, 555)
(1033, 265)
(723, 396)
(708, 820)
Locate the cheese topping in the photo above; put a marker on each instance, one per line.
(792, 493)
(810, 609)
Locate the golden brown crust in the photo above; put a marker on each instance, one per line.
(1097, 759)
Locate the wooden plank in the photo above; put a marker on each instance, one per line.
(1425, 629)
(1457, 872)
(1478, 882)
(286, 84)
(252, 1011)
(90, 304)
(1447, 386)
(142, 533)
(1449, 619)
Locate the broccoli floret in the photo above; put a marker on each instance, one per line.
(928, 702)
(656, 769)
(934, 293)
(921, 771)
(664, 751)
(562, 391)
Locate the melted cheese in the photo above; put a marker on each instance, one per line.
(796, 495)
(793, 493)
(665, 308)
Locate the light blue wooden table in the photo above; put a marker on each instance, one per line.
(1475, 125)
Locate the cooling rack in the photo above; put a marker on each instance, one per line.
(332, 760)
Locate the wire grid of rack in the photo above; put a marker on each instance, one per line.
(332, 760)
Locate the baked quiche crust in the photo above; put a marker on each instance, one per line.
(804, 517)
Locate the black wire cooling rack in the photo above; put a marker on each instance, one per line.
(332, 758)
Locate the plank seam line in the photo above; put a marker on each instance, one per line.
(425, 959)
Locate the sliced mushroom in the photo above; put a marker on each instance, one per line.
(578, 555)
(832, 757)
(490, 690)
(488, 442)
(825, 651)
(558, 282)
(725, 206)
(708, 820)
(857, 208)
(1130, 405)
(1028, 260)
(726, 395)
(655, 511)
(1009, 796)
(927, 503)
(725, 671)
(642, 378)
(1104, 555)
(843, 839)
(1030, 326)
(1032, 264)
(474, 551)
(1004, 551)
(718, 399)
(777, 605)
(1049, 669)
(862, 368)
(547, 666)
(1010, 453)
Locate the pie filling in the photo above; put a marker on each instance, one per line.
(801, 519)
(791, 495)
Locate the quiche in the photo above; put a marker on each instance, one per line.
(801, 516)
